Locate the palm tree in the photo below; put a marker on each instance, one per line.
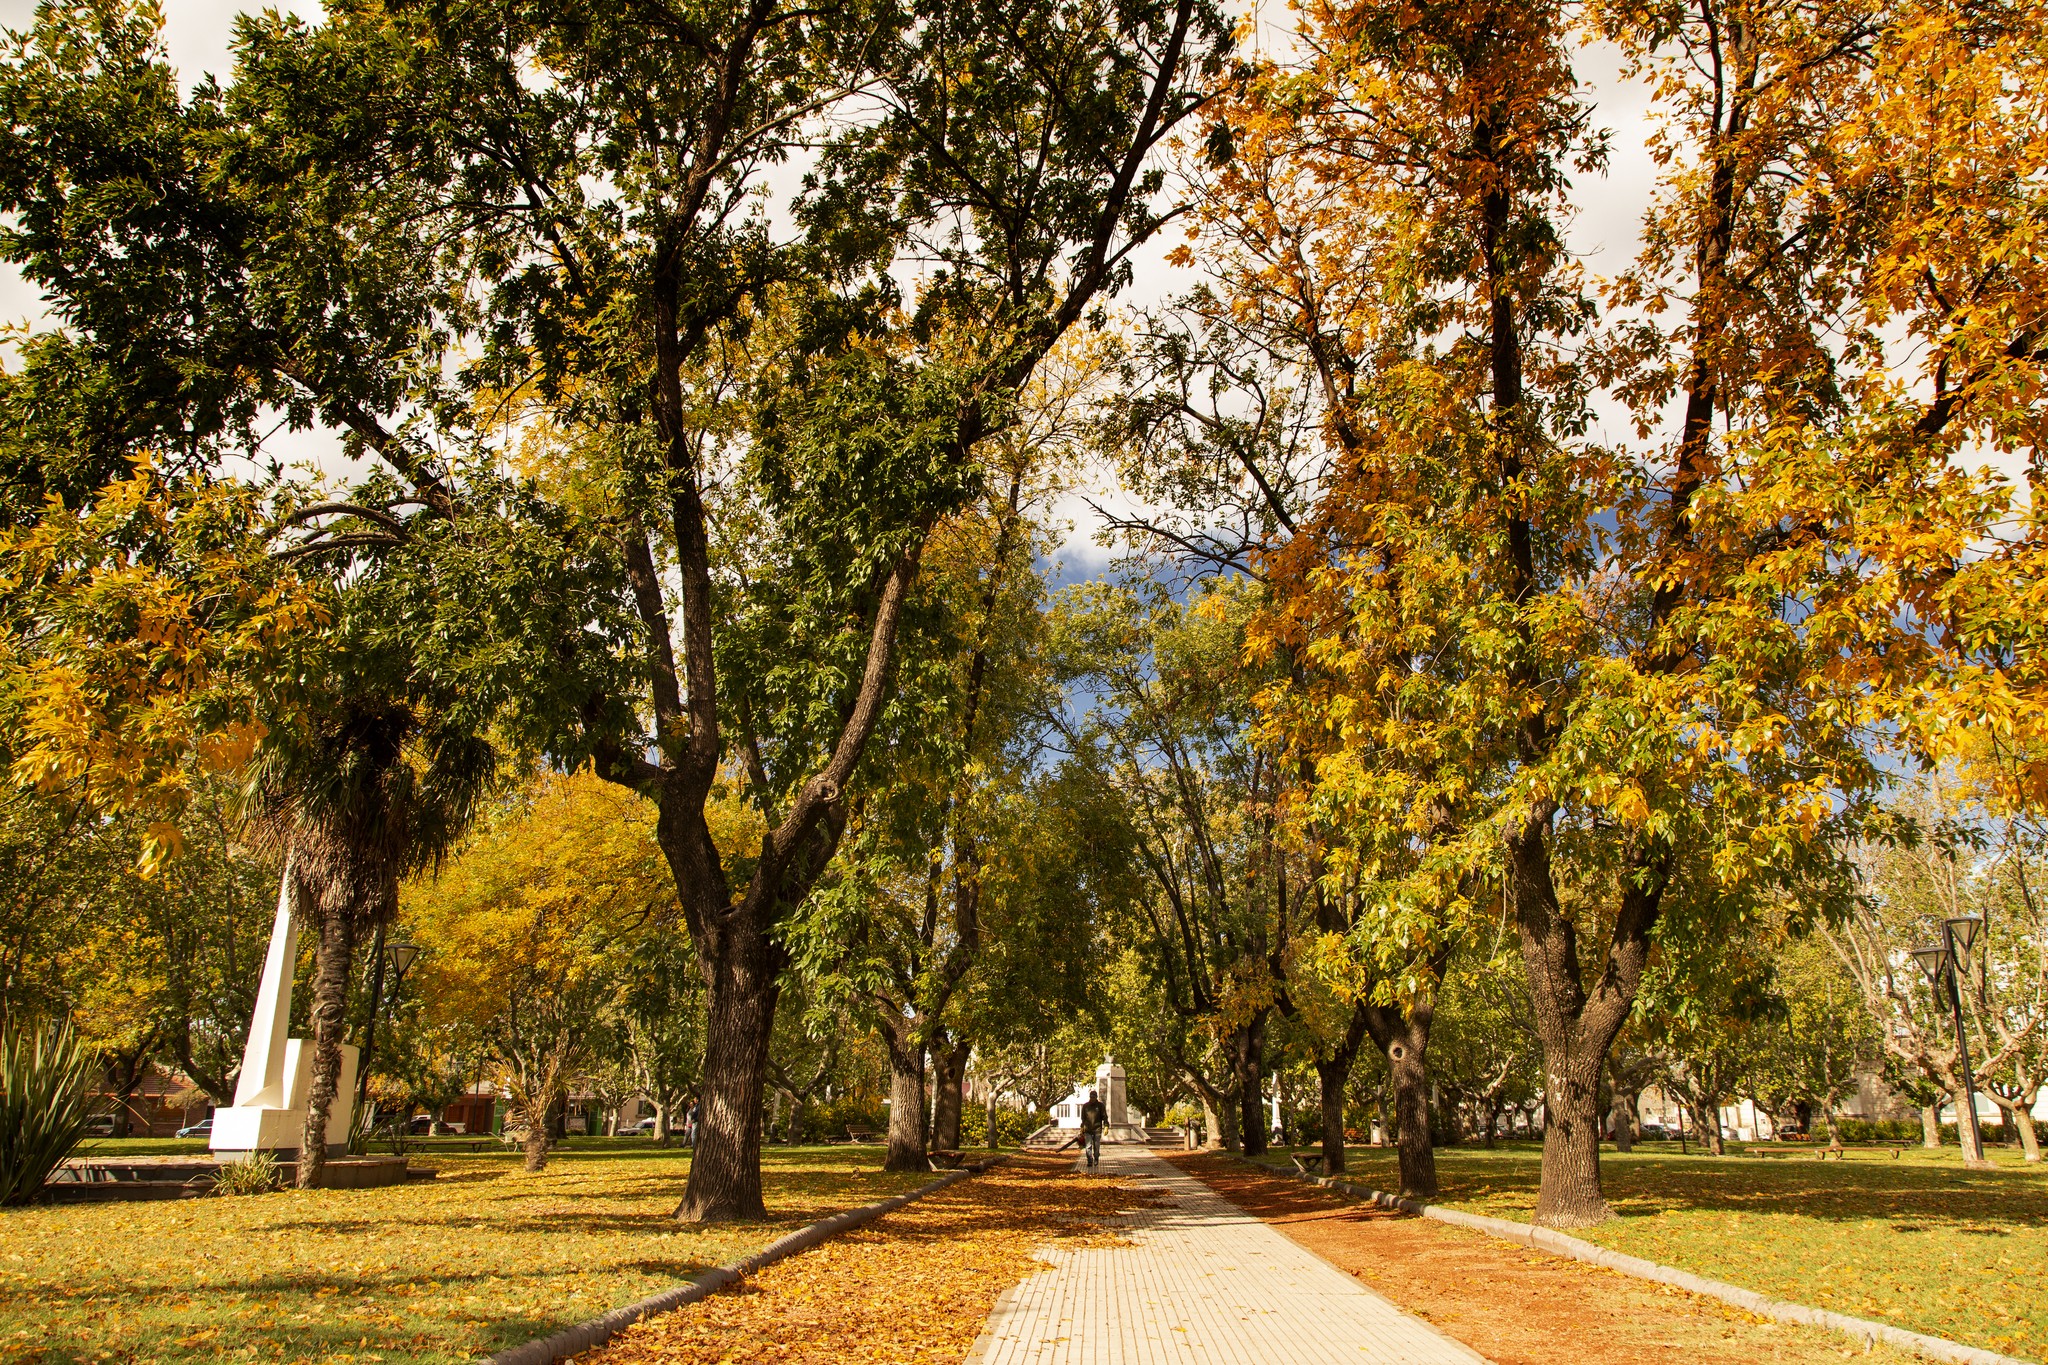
(362, 793)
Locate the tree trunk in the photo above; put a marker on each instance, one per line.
(1617, 1118)
(991, 1114)
(1407, 1060)
(537, 1145)
(950, 1067)
(127, 1071)
(1930, 1125)
(906, 1101)
(1248, 1058)
(725, 1165)
(1706, 1115)
(1492, 1121)
(2030, 1142)
(330, 1000)
(1333, 1078)
(1218, 1130)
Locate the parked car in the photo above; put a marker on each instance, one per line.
(1656, 1132)
(203, 1128)
(100, 1125)
(647, 1126)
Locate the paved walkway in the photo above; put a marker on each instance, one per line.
(1206, 1283)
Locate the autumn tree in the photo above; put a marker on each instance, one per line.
(1642, 680)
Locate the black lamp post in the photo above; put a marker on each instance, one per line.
(1943, 962)
(400, 954)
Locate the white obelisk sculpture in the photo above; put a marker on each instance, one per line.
(269, 1112)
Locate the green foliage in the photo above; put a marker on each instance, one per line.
(1012, 1126)
(46, 1074)
(257, 1174)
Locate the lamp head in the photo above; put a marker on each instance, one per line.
(403, 954)
(1965, 929)
(1932, 957)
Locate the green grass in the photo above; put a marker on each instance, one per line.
(1918, 1242)
(481, 1258)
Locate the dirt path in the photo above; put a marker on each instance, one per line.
(914, 1286)
(1513, 1305)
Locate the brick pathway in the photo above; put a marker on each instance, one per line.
(1206, 1283)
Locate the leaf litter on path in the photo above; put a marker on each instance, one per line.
(914, 1286)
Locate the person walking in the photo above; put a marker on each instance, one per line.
(1094, 1118)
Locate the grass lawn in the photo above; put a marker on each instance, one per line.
(481, 1258)
(1919, 1242)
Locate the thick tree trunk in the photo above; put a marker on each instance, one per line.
(1575, 1024)
(725, 1165)
(906, 1102)
(1408, 1060)
(1492, 1122)
(949, 1066)
(1248, 1060)
(1618, 1119)
(1930, 1125)
(1706, 1116)
(331, 963)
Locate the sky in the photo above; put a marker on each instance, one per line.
(198, 32)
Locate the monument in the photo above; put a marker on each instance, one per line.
(269, 1112)
(1125, 1125)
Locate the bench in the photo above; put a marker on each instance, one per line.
(1306, 1164)
(946, 1161)
(856, 1134)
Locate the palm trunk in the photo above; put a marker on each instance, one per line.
(331, 964)
(950, 1066)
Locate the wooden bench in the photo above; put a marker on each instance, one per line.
(854, 1134)
(946, 1161)
(1310, 1164)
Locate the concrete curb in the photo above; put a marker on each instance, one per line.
(584, 1336)
(1547, 1239)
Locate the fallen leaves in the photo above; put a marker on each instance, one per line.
(911, 1287)
(429, 1272)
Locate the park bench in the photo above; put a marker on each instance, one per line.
(946, 1161)
(858, 1134)
(1306, 1164)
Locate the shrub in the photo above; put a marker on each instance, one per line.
(258, 1174)
(45, 1086)
(1012, 1126)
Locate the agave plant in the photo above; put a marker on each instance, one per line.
(45, 1097)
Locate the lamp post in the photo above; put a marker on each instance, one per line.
(401, 955)
(1943, 963)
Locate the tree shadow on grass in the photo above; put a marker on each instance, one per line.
(1845, 1192)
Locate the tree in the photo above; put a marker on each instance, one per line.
(529, 934)
(864, 440)
(1166, 745)
(1815, 1056)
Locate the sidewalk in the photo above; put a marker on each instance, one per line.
(1206, 1283)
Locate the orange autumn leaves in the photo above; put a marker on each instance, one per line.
(914, 1286)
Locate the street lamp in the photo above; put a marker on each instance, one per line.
(1943, 964)
(401, 954)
